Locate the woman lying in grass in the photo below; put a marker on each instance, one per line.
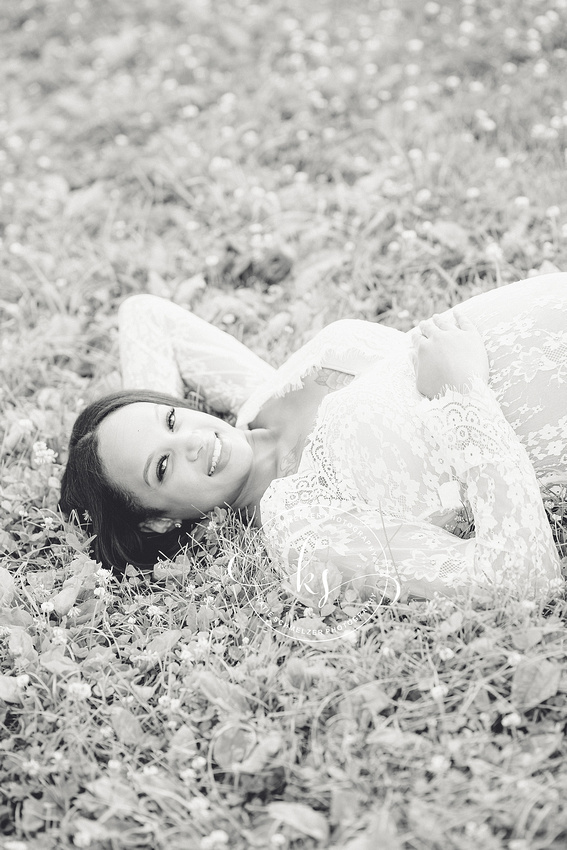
(360, 457)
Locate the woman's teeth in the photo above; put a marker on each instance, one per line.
(216, 454)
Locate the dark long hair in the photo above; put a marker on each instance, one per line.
(102, 508)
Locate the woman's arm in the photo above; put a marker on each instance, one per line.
(340, 542)
(167, 348)
(326, 548)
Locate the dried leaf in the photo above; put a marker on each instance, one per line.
(187, 290)
(370, 695)
(527, 638)
(55, 661)
(18, 430)
(97, 657)
(21, 645)
(157, 285)
(314, 270)
(126, 725)
(143, 692)
(262, 753)
(9, 690)
(163, 643)
(82, 201)
(34, 815)
(344, 805)
(7, 587)
(114, 793)
(66, 598)
(301, 817)
(452, 624)
(380, 835)
(226, 695)
(233, 744)
(7, 544)
(451, 235)
(535, 680)
(183, 746)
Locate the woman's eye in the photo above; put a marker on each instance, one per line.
(161, 467)
(171, 419)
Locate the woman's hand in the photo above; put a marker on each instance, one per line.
(448, 352)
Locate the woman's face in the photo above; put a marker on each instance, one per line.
(179, 461)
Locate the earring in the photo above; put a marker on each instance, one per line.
(178, 525)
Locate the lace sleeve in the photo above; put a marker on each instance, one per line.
(331, 547)
(167, 348)
(513, 542)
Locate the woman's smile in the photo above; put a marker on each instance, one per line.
(215, 454)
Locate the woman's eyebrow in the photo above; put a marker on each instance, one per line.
(149, 460)
(146, 468)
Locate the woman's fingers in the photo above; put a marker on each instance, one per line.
(445, 321)
(435, 323)
(463, 322)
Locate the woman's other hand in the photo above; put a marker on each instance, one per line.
(448, 352)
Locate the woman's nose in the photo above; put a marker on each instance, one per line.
(193, 443)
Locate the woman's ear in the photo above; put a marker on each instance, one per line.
(158, 524)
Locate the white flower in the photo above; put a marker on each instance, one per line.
(150, 770)
(439, 764)
(103, 576)
(502, 162)
(439, 691)
(218, 838)
(415, 45)
(60, 635)
(199, 806)
(79, 690)
(493, 252)
(41, 454)
(446, 653)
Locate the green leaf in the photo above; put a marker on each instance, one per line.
(9, 690)
(302, 818)
(182, 746)
(55, 661)
(535, 680)
(527, 638)
(126, 725)
(7, 587)
(233, 744)
(163, 643)
(21, 645)
(230, 697)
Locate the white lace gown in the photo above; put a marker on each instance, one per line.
(386, 472)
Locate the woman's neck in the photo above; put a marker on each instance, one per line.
(264, 444)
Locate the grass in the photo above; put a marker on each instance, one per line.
(273, 166)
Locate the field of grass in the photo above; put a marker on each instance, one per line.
(273, 166)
